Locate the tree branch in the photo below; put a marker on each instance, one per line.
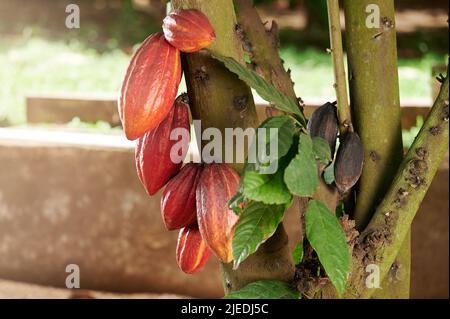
(221, 100)
(381, 240)
(384, 238)
(262, 46)
(375, 101)
(343, 107)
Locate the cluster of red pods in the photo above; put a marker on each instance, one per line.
(195, 196)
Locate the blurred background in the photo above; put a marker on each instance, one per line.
(68, 190)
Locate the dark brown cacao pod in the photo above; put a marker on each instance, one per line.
(178, 207)
(153, 161)
(192, 251)
(150, 86)
(188, 30)
(218, 184)
(349, 162)
(324, 123)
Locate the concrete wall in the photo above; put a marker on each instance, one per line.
(82, 204)
(78, 200)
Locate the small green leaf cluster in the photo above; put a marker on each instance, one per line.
(263, 198)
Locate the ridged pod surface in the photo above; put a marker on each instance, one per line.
(192, 252)
(150, 86)
(153, 161)
(349, 162)
(324, 123)
(178, 206)
(218, 183)
(188, 30)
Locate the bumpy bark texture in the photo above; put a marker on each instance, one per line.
(388, 231)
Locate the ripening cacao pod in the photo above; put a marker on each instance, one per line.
(349, 162)
(150, 86)
(192, 252)
(178, 206)
(218, 184)
(324, 123)
(154, 163)
(188, 30)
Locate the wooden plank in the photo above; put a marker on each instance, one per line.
(63, 108)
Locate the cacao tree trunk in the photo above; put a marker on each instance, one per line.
(221, 100)
(374, 96)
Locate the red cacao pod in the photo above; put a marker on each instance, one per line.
(218, 184)
(153, 150)
(178, 207)
(192, 252)
(150, 86)
(188, 30)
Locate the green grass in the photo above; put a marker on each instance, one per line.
(30, 65)
(312, 73)
(38, 66)
(409, 135)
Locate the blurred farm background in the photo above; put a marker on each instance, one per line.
(55, 79)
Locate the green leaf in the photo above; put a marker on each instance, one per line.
(283, 136)
(301, 175)
(266, 90)
(328, 174)
(266, 188)
(321, 150)
(235, 202)
(257, 223)
(340, 210)
(328, 240)
(265, 289)
(297, 254)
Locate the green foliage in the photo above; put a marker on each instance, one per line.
(301, 175)
(312, 71)
(265, 89)
(279, 129)
(99, 126)
(321, 150)
(409, 135)
(297, 174)
(340, 210)
(266, 188)
(235, 202)
(265, 289)
(39, 66)
(318, 13)
(327, 238)
(297, 254)
(328, 174)
(32, 64)
(256, 224)
(271, 188)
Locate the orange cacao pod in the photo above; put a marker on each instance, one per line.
(218, 183)
(192, 252)
(154, 164)
(188, 30)
(178, 207)
(150, 86)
